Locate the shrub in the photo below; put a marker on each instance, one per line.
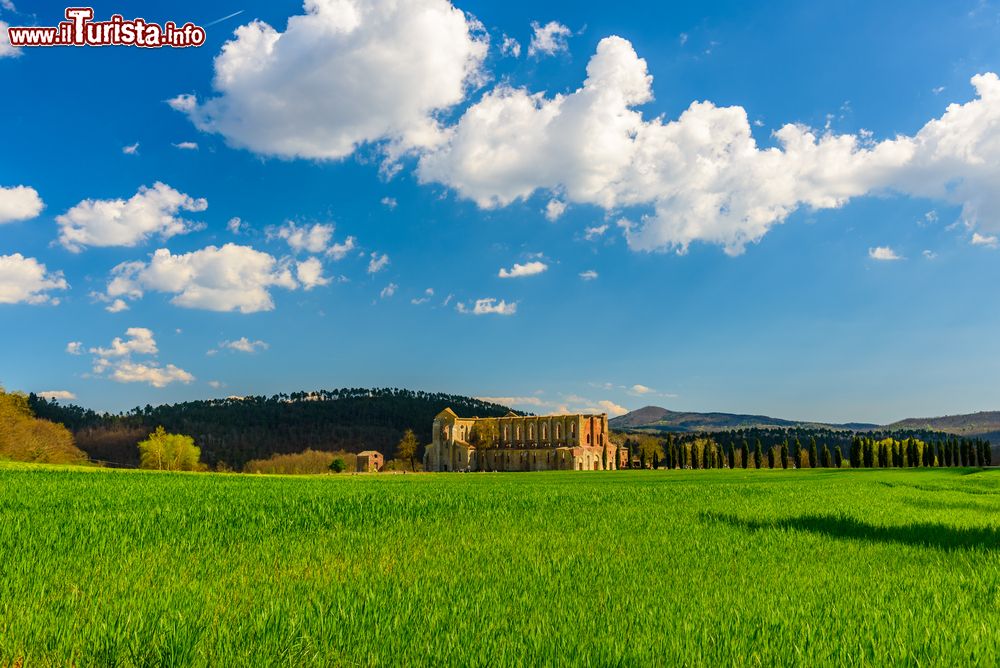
(169, 452)
(338, 465)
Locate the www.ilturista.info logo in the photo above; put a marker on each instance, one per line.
(79, 29)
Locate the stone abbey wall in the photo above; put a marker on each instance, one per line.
(521, 443)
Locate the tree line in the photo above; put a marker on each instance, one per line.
(232, 432)
(733, 450)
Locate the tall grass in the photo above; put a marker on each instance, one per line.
(123, 568)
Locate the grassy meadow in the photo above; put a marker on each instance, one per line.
(106, 568)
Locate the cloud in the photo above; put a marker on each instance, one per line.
(488, 306)
(389, 202)
(883, 253)
(929, 254)
(119, 222)
(230, 278)
(611, 408)
(535, 402)
(187, 146)
(377, 263)
(235, 225)
(244, 345)
(521, 270)
(388, 291)
(342, 74)
(703, 177)
(310, 274)
(57, 394)
(6, 50)
(588, 275)
(428, 293)
(988, 241)
(510, 47)
(138, 340)
(548, 39)
(554, 210)
(313, 239)
(28, 281)
(116, 306)
(640, 389)
(131, 149)
(74, 347)
(595, 232)
(157, 376)
(19, 203)
(117, 359)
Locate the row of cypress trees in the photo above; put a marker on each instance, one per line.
(912, 452)
(705, 453)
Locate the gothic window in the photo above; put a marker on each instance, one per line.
(572, 430)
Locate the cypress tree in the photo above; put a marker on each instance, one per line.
(813, 452)
(826, 456)
(784, 455)
(656, 461)
(838, 458)
(856, 452)
(987, 454)
(745, 454)
(758, 456)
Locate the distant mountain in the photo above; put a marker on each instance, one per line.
(985, 424)
(661, 419)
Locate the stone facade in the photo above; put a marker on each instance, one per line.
(518, 443)
(370, 461)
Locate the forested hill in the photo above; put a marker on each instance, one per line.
(654, 418)
(238, 429)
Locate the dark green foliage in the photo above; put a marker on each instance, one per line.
(338, 465)
(238, 430)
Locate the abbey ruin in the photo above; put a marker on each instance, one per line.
(521, 443)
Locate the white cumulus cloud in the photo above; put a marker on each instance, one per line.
(157, 376)
(987, 240)
(310, 273)
(588, 275)
(377, 263)
(116, 361)
(703, 177)
(74, 347)
(488, 306)
(521, 270)
(244, 345)
(548, 39)
(6, 50)
(57, 394)
(344, 73)
(227, 278)
(19, 203)
(119, 222)
(26, 280)
(883, 253)
(554, 210)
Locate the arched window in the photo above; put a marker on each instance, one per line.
(531, 432)
(558, 434)
(545, 432)
(517, 432)
(588, 439)
(572, 429)
(505, 432)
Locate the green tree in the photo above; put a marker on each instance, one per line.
(813, 452)
(407, 448)
(758, 455)
(826, 457)
(169, 452)
(338, 465)
(838, 458)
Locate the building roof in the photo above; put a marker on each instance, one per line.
(369, 453)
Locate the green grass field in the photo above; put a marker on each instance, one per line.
(619, 568)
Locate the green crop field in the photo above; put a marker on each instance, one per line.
(707, 568)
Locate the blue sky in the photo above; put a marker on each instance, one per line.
(703, 258)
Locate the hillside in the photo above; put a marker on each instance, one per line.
(661, 419)
(985, 424)
(235, 430)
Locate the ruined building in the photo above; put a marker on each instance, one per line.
(517, 443)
